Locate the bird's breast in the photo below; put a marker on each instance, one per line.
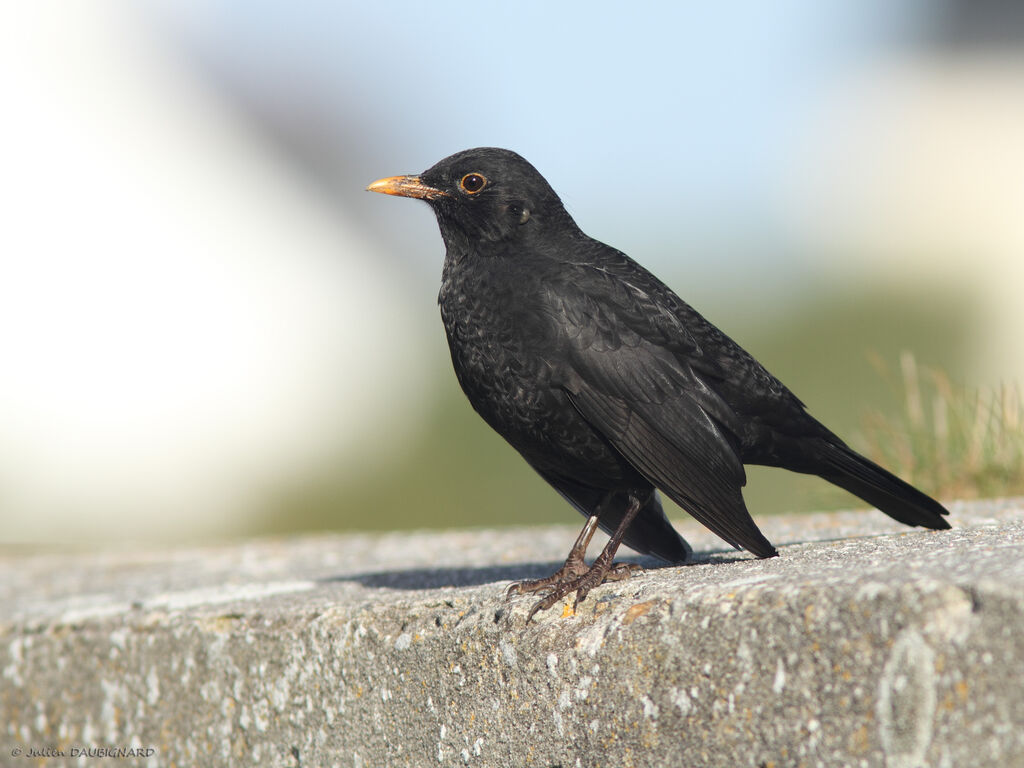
(498, 357)
(502, 344)
(505, 347)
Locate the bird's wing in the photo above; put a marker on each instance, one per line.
(634, 299)
(653, 407)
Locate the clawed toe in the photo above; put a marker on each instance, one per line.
(575, 575)
(569, 573)
(621, 571)
(581, 584)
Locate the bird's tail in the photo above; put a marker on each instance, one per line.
(846, 468)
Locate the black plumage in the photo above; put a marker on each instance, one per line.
(606, 382)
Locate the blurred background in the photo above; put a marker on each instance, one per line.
(208, 328)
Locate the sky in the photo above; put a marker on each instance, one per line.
(685, 111)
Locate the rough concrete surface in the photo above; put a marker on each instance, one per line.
(864, 644)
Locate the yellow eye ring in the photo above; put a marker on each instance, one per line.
(472, 183)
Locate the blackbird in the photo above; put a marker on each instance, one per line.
(610, 385)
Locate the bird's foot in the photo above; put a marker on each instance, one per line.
(570, 572)
(575, 567)
(561, 585)
(575, 575)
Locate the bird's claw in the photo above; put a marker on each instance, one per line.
(571, 572)
(562, 584)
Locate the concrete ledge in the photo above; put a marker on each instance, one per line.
(864, 644)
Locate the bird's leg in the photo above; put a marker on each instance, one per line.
(574, 566)
(582, 579)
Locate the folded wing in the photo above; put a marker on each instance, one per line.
(647, 400)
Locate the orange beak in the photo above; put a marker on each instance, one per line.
(405, 186)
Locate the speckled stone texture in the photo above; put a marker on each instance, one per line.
(865, 643)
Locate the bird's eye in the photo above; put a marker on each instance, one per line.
(472, 183)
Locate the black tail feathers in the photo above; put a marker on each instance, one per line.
(879, 487)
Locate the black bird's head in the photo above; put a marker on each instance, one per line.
(483, 194)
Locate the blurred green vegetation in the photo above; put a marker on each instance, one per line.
(961, 442)
(459, 473)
